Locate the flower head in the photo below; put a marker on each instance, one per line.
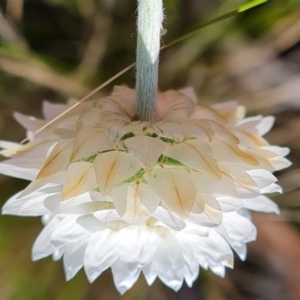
(159, 198)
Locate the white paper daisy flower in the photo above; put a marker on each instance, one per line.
(160, 199)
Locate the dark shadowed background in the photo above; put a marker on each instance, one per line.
(57, 49)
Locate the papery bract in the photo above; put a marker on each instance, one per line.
(160, 198)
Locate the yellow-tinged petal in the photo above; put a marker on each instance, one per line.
(90, 140)
(207, 185)
(112, 168)
(59, 158)
(238, 175)
(91, 116)
(36, 147)
(207, 113)
(269, 160)
(175, 187)
(126, 98)
(223, 134)
(196, 155)
(52, 180)
(250, 139)
(207, 211)
(230, 110)
(169, 129)
(245, 184)
(146, 150)
(205, 199)
(173, 105)
(80, 178)
(196, 129)
(229, 152)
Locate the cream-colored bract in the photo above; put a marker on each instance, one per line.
(160, 198)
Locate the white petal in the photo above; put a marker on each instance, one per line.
(265, 125)
(202, 262)
(68, 231)
(46, 219)
(35, 207)
(51, 110)
(137, 245)
(78, 200)
(280, 151)
(262, 177)
(229, 204)
(168, 219)
(30, 123)
(13, 204)
(58, 253)
(28, 205)
(227, 256)
(238, 227)
(149, 273)
(191, 266)
(106, 215)
(91, 222)
(53, 203)
(214, 218)
(272, 188)
(213, 248)
(50, 181)
(101, 253)
(8, 145)
(249, 123)
(261, 203)
(73, 258)
(195, 229)
(20, 168)
(42, 246)
(218, 270)
(239, 247)
(169, 268)
(124, 279)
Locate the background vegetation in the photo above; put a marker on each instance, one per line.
(57, 49)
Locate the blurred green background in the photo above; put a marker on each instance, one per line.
(58, 49)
